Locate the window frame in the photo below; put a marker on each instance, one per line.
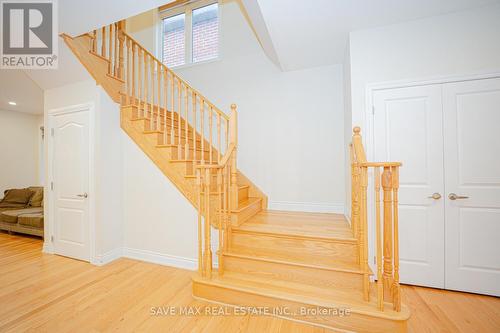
(187, 10)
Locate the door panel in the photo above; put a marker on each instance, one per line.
(472, 164)
(408, 128)
(71, 182)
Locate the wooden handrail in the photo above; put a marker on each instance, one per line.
(380, 164)
(386, 221)
(174, 75)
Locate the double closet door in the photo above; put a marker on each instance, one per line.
(448, 138)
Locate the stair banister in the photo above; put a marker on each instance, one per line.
(387, 238)
(226, 199)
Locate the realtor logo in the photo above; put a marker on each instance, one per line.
(29, 34)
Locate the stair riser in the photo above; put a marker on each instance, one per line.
(240, 217)
(354, 322)
(242, 194)
(340, 251)
(300, 274)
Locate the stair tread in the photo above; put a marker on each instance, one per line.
(303, 293)
(321, 262)
(246, 203)
(302, 224)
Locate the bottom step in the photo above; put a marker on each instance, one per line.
(292, 303)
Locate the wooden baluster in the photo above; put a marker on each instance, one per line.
(152, 124)
(193, 97)
(158, 116)
(186, 123)
(179, 111)
(202, 129)
(103, 42)
(172, 110)
(133, 74)
(129, 65)
(220, 218)
(380, 284)
(110, 41)
(140, 81)
(208, 250)
(364, 234)
(94, 42)
(387, 186)
(396, 287)
(121, 67)
(225, 198)
(146, 84)
(115, 60)
(234, 170)
(210, 125)
(165, 89)
(219, 154)
(200, 233)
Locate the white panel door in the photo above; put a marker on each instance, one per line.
(472, 169)
(408, 128)
(71, 164)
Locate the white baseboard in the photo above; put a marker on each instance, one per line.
(160, 258)
(307, 207)
(106, 258)
(47, 248)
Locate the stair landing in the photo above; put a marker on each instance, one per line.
(301, 224)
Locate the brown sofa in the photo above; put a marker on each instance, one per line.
(21, 210)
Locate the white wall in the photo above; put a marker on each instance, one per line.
(347, 128)
(19, 150)
(291, 125)
(160, 223)
(448, 45)
(108, 182)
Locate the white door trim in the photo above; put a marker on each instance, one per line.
(49, 206)
(368, 130)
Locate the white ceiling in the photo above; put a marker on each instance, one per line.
(75, 17)
(17, 87)
(310, 33)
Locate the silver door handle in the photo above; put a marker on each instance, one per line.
(84, 195)
(453, 196)
(435, 196)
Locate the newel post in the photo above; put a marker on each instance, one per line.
(233, 138)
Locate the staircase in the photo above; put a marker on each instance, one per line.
(301, 266)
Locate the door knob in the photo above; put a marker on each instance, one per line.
(453, 196)
(435, 196)
(84, 195)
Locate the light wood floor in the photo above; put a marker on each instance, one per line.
(49, 293)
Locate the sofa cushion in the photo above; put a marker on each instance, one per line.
(37, 198)
(34, 220)
(16, 197)
(11, 216)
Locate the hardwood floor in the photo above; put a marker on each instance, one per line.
(49, 293)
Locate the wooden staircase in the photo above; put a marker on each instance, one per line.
(301, 266)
